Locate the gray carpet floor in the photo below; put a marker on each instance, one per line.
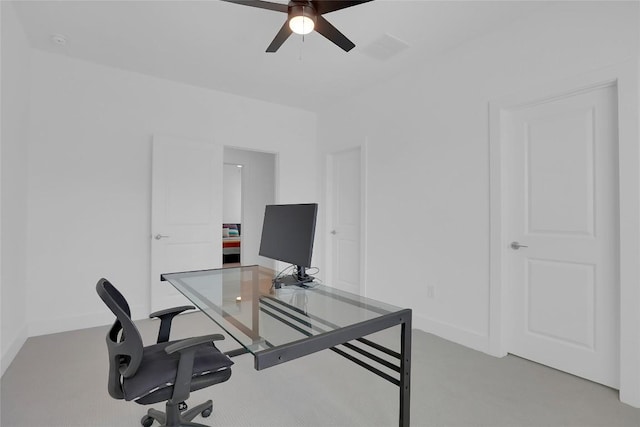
(60, 380)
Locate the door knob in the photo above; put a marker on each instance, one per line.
(515, 246)
(160, 236)
(334, 232)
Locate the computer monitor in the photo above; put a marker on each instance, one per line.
(288, 232)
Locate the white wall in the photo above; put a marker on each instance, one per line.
(258, 190)
(90, 176)
(232, 194)
(428, 155)
(15, 109)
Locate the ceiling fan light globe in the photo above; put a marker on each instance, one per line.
(301, 24)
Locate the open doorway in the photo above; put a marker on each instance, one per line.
(250, 188)
(232, 215)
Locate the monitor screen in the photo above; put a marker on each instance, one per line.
(288, 232)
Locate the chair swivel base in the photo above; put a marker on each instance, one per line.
(174, 418)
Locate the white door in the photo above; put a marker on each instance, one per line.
(186, 212)
(563, 208)
(345, 221)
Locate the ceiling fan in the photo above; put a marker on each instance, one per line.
(305, 16)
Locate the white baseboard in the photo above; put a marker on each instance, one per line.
(9, 353)
(452, 333)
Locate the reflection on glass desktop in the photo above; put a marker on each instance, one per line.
(288, 232)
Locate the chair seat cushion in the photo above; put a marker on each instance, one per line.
(154, 379)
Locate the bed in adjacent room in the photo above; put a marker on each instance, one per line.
(231, 243)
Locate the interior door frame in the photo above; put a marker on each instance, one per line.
(624, 77)
(329, 213)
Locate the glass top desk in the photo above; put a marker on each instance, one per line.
(278, 325)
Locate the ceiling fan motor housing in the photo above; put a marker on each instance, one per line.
(302, 9)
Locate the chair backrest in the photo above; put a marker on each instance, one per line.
(123, 339)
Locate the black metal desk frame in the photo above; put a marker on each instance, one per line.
(347, 341)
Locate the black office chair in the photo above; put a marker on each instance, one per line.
(166, 371)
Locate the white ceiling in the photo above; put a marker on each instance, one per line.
(221, 45)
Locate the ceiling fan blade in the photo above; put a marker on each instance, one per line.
(326, 6)
(261, 4)
(329, 31)
(282, 35)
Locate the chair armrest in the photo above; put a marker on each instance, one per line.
(176, 310)
(166, 317)
(187, 349)
(192, 342)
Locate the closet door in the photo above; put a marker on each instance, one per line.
(564, 233)
(186, 212)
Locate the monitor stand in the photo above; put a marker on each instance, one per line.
(299, 279)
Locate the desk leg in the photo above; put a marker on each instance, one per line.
(405, 372)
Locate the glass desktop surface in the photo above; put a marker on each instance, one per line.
(243, 302)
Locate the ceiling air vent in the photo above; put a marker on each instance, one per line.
(385, 47)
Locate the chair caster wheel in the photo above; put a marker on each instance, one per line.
(146, 421)
(206, 413)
